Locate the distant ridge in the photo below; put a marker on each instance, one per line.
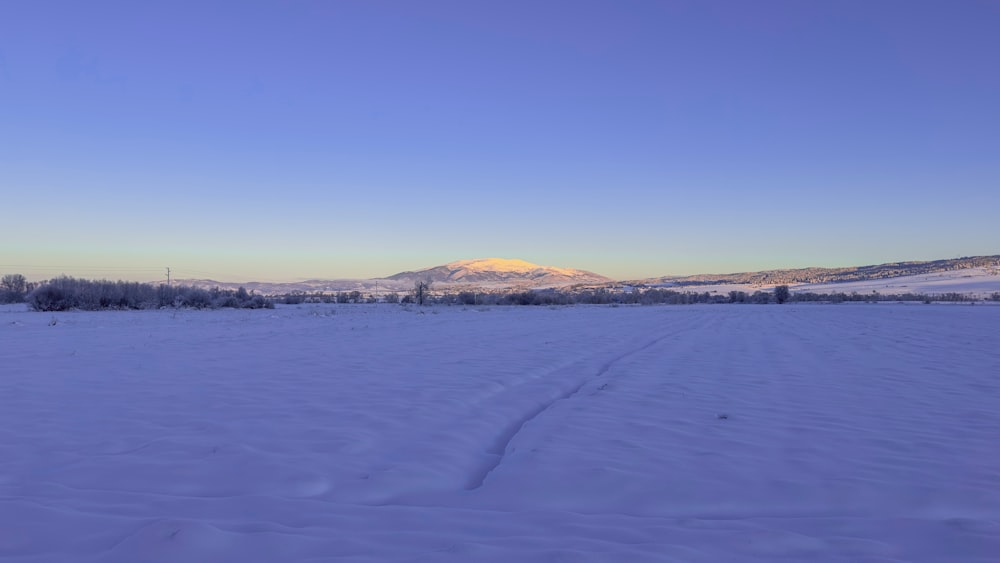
(484, 273)
(504, 273)
(832, 275)
(501, 272)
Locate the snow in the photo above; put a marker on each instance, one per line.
(514, 266)
(504, 265)
(978, 282)
(974, 282)
(855, 432)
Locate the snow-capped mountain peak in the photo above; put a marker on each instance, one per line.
(502, 272)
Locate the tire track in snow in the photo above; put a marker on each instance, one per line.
(499, 447)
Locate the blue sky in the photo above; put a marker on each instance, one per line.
(288, 140)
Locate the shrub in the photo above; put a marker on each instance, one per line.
(51, 297)
(65, 293)
(194, 297)
(781, 294)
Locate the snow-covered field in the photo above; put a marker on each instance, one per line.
(372, 433)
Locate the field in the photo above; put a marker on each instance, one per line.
(846, 433)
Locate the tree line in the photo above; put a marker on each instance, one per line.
(423, 294)
(64, 293)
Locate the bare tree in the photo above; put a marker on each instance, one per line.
(12, 288)
(781, 294)
(14, 283)
(421, 289)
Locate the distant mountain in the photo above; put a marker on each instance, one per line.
(831, 275)
(488, 273)
(501, 272)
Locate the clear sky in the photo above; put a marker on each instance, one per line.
(287, 140)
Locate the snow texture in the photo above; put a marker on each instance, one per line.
(855, 432)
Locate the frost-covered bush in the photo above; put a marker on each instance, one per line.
(781, 294)
(65, 293)
(52, 297)
(257, 302)
(194, 297)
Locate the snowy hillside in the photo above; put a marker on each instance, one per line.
(501, 272)
(376, 433)
(979, 282)
(972, 282)
(872, 272)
